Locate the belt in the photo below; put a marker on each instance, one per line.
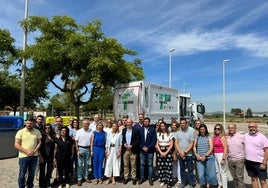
(84, 147)
(112, 145)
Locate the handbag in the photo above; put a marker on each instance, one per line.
(174, 155)
(55, 173)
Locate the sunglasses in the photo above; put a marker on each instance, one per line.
(47, 128)
(217, 129)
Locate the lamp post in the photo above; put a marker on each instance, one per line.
(23, 64)
(223, 90)
(170, 52)
(184, 87)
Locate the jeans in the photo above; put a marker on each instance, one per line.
(146, 158)
(98, 158)
(83, 161)
(206, 171)
(187, 163)
(27, 164)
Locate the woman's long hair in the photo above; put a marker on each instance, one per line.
(206, 128)
(222, 132)
(159, 128)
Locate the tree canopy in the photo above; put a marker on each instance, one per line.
(85, 60)
(10, 83)
(7, 49)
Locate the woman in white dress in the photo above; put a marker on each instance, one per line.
(113, 154)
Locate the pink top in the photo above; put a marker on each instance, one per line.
(254, 147)
(235, 147)
(218, 147)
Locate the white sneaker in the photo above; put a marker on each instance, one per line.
(60, 186)
(67, 185)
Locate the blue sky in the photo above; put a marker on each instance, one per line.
(204, 33)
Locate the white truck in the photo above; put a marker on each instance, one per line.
(154, 101)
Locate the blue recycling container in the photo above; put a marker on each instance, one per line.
(9, 125)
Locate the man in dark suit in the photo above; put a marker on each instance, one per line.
(139, 124)
(147, 149)
(130, 149)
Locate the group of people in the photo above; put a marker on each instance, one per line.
(126, 149)
(249, 150)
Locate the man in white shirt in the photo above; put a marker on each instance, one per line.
(92, 126)
(82, 140)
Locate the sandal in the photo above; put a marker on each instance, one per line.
(107, 182)
(100, 181)
(95, 181)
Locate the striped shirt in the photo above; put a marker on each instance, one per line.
(202, 145)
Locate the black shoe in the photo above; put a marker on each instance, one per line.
(151, 183)
(125, 181)
(140, 181)
(134, 182)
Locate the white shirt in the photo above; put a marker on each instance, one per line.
(146, 129)
(83, 137)
(92, 126)
(107, 130)
(128, 136)
(164, 139)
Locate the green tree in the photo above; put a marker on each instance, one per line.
(237, 111)
(10, 83)
(83, 58)
(103, 102)
(60, 103)
(10, 92)
(7, 48)
(249, 113)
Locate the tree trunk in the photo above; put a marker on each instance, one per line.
(77, 110)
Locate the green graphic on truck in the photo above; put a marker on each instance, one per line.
(125, 100)
(164, 99)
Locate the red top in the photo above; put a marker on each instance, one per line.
(218, 147)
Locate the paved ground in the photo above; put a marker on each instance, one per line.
(9, 168)
(9, 174)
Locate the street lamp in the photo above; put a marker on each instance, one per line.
(170, 52)
(23, 64)
(184, 87)
(223, 90)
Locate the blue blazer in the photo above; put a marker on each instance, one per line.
(150, 139)
(135, 140)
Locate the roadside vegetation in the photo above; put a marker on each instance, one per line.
(236, 119)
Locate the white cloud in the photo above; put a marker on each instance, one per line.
(194, 42)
